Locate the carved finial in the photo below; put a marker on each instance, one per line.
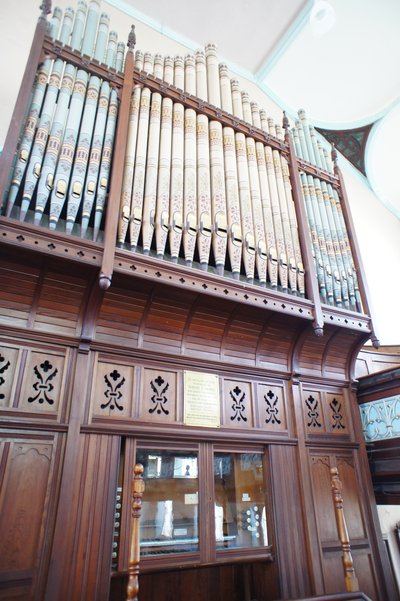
(334, 155)
(318, 331)
(138, 469)
(131, 38)
(45, 7)
(375, 342)
(104, 281)
(285, 122)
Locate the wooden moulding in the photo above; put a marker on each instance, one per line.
(207, 283)
(42, 240)
(305, 240)
(53, 49)
(25, 236)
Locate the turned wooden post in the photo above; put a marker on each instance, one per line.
(304, 236)
(22, 102)
(350, 577)
(134, 551)
(114, 198)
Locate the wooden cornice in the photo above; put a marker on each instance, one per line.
(72, 249)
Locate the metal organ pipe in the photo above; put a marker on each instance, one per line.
(190, 220)
(235, 239)
(203, 166)
(218, 195)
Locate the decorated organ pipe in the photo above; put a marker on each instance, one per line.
(272, 263)
(280, 257)
(177, 149)
(38, 94)
(139, 167)
(203, 166)
(66, 145)
(218, 194)
(206, 178)
(255, 198)
(235, 239)
(150, 192)
(190, 221)
(332, 252)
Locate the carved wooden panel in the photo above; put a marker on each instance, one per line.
(158, 396)
(333, 573)
(313, 412)
(238, 410)
(26, 478)
(205, 329)
(242, 337)
(18, 285)
(43, 381)
(59, 303)
(325, 412)
(331, 552)
(288, 523)
(81, 553)
(165, 320)
(366, 574)
(120, 316)
(9, 360)
(351, 499)
(325, 512)
(271, 407)
(112, 390)
(336, 413)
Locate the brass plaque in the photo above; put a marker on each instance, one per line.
(201, 400)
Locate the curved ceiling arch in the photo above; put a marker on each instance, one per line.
(356, 83)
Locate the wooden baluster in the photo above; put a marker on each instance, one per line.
(134, 551)
(350, 577)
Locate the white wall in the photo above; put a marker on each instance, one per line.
(378, 235)
(389, 516)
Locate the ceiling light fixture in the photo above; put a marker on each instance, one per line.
(322, 17)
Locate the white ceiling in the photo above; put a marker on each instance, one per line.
(245, 31)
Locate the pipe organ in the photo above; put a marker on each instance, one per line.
(195, 189)
(183, 288)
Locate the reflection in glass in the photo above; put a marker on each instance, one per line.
(240, 514)
(169, 517)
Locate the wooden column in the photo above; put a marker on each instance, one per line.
(110, 230)
(134, 552)
(350, 577)
(355, 250)
(21, 105)
(305, 241)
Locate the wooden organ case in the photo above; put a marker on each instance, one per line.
(181, 285)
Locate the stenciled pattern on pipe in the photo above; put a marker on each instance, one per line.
(61, 173)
